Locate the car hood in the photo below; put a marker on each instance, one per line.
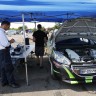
(81, 27)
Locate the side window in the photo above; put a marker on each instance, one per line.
(51, 37)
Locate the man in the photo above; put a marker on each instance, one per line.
(27, 38)
(6, 66)
(39, 37)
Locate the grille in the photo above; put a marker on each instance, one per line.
(84, 70)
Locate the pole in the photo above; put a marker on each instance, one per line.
(25, 49)
(35, 26)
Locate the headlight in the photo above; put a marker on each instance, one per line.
(59, 57)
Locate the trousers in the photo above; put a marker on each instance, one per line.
(6, 67)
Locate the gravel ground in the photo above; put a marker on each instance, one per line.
(41, 84)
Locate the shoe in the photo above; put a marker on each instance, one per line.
(4, 84)
(14, 85)
(41, 67)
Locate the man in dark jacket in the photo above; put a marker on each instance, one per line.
(39, 37)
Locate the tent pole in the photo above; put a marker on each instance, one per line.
(25, 49)
(35, 26)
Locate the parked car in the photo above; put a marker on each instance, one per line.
(72, 51)
(11, 32)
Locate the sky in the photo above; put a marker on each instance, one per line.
(32, 25)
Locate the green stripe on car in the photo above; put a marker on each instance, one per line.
(69, 73)
(88, 79)
(74, 82)
(71, 76)
(56, 71)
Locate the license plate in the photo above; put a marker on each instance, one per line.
(87, 71)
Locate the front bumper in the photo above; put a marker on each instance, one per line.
(78, 81)
(68, 75)
(72, 78)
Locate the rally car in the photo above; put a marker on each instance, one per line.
(72, 51)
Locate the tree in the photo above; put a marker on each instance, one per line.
(21, 27)
(57, 26)
(13, 28)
